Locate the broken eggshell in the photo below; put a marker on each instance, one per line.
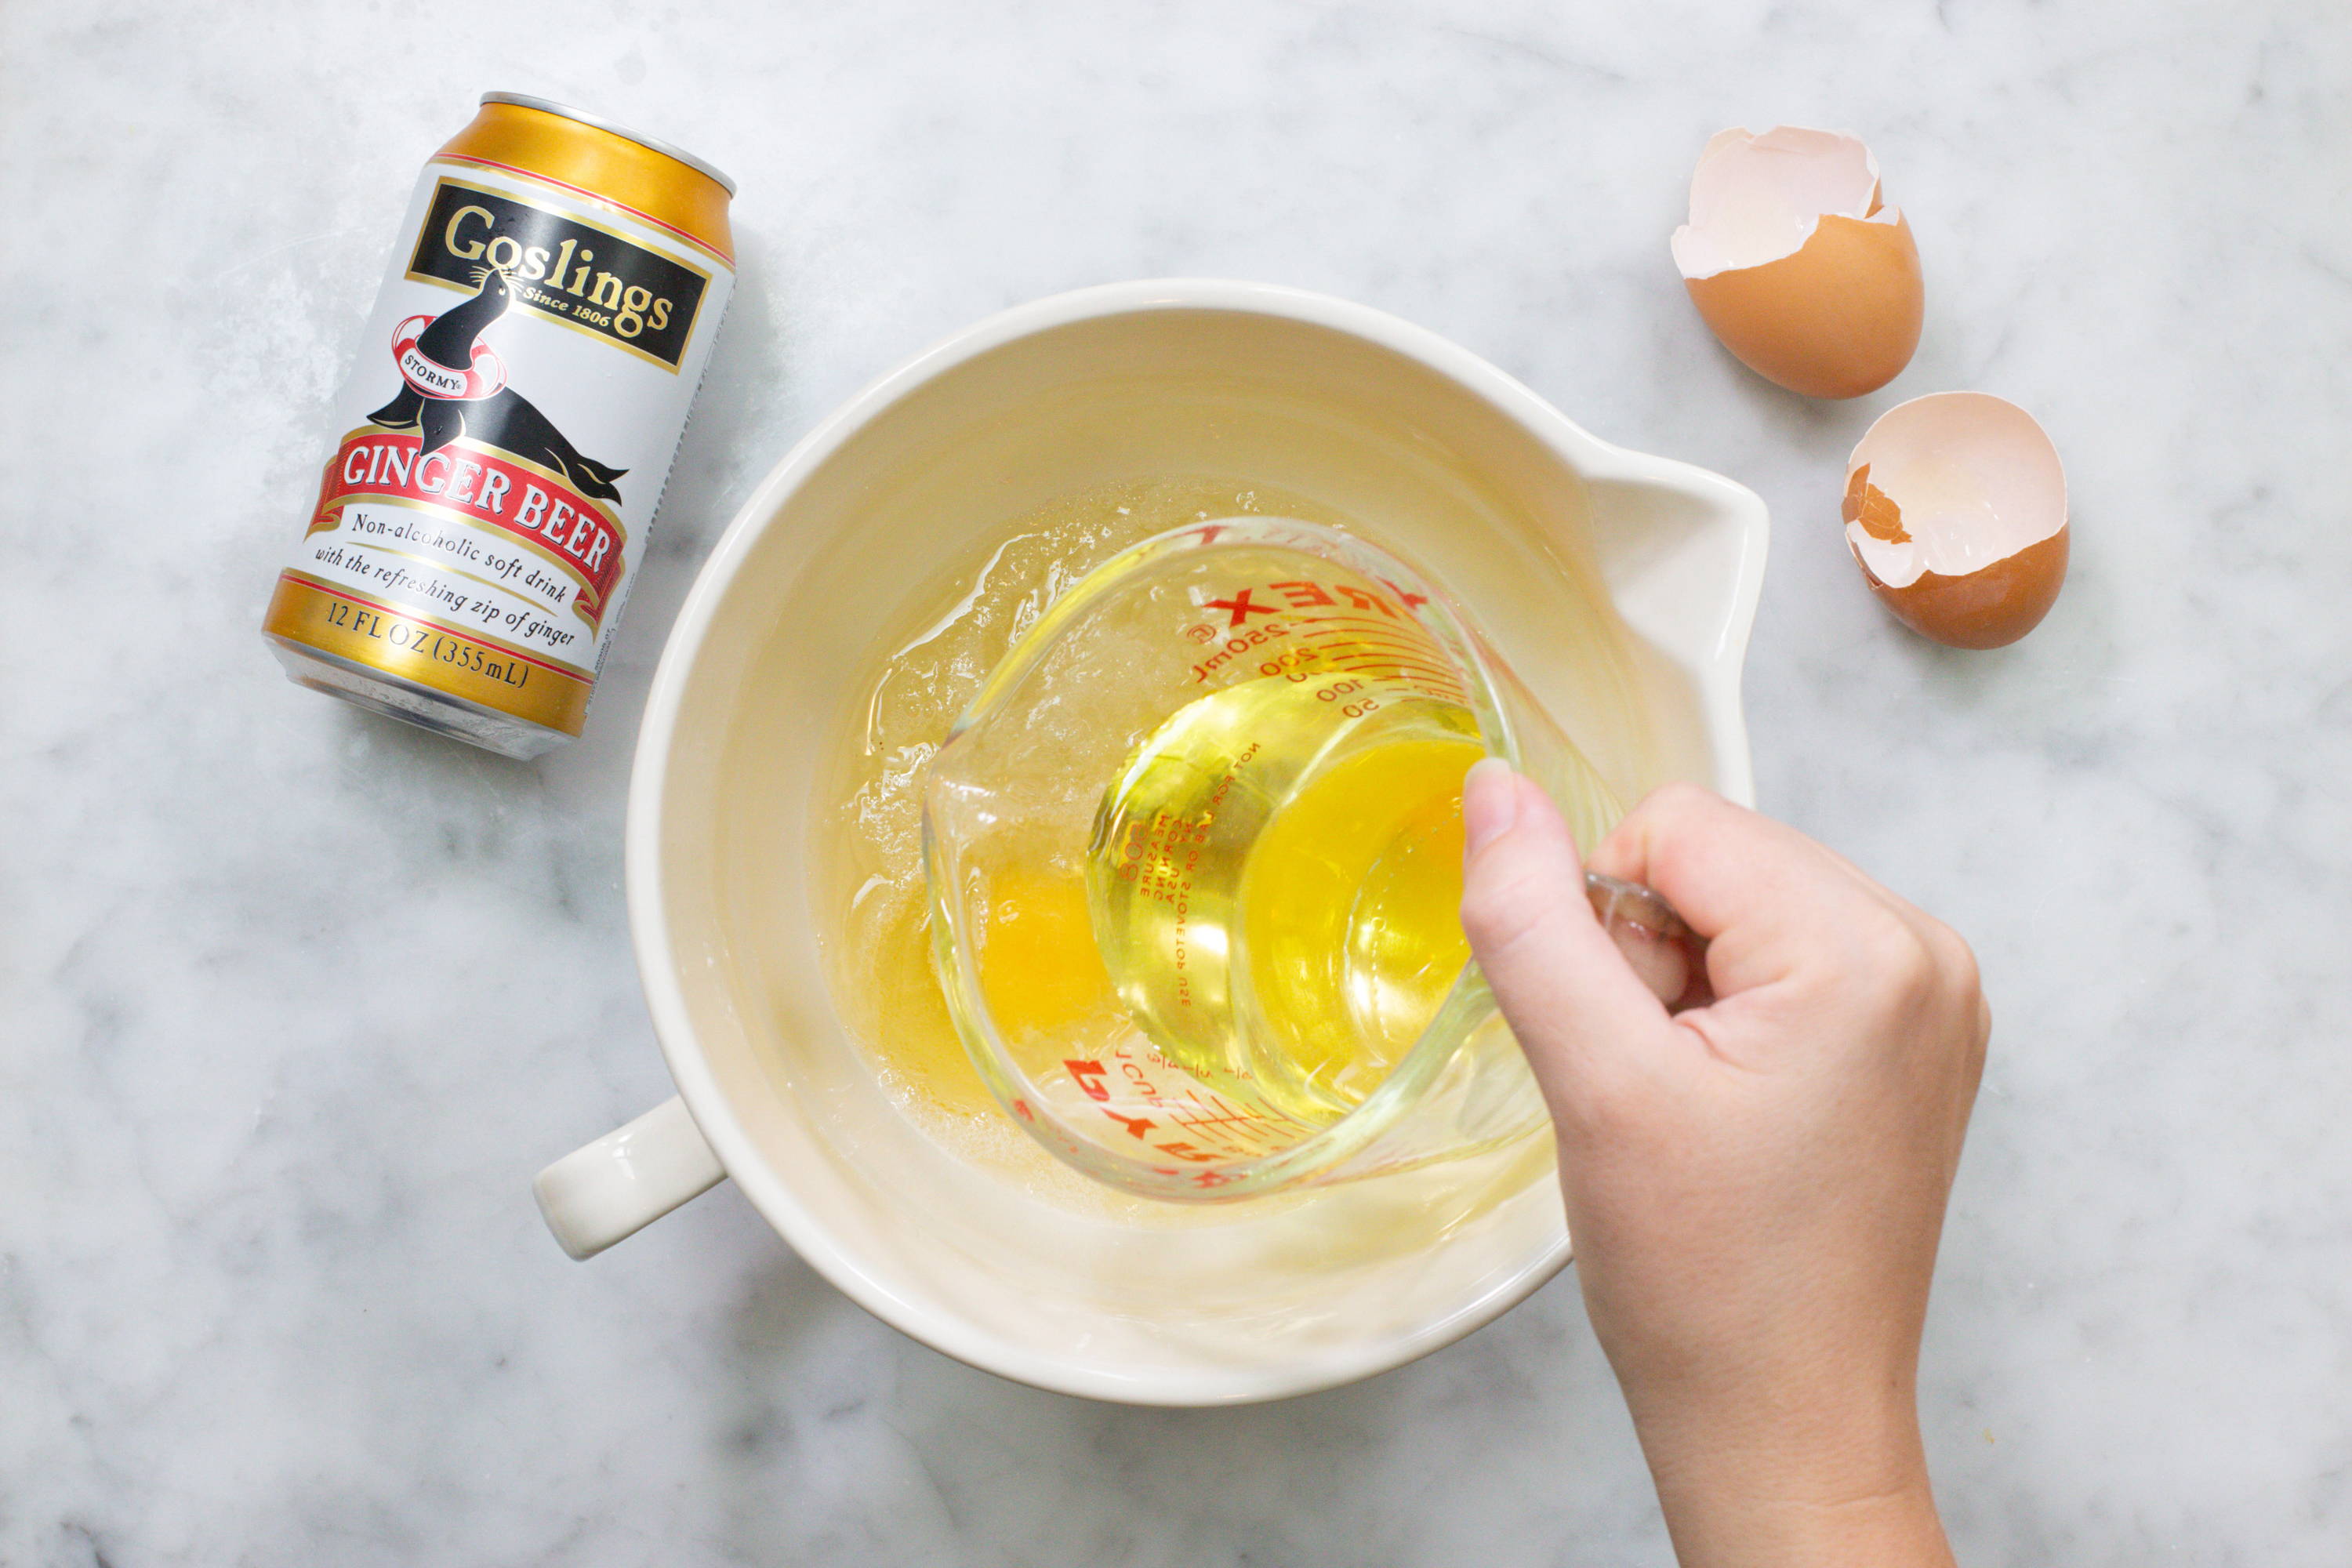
(1956, 512)
(1796, 264)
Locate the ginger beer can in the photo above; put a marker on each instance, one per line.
(507, 432)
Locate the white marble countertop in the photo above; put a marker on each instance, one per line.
(296, 1000)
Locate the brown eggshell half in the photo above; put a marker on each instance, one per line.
(1956, 512)
(1990, 608)
(1839, 317)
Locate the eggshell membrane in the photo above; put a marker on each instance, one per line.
(1956, 512)
(1795, 263)
(1755, 199)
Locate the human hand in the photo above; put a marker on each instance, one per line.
(1756, 1187)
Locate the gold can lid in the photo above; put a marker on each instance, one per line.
(668, 150)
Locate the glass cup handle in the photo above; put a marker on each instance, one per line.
(1660, 945)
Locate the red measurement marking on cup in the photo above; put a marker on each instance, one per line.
(1374, 661)
(1216, 1121)
(1193, 1124)
(1240, 608)
(1380, 631)
(1298, 593)
(1438, 682)
(1383, 625)
(1327, 644)
(1333, 630)
(1362, 633)
(1416, 659)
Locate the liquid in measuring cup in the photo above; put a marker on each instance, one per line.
(1194, 855)
(1274, 878)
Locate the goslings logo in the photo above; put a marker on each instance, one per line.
(580, 276)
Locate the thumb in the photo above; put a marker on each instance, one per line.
(1565, 989)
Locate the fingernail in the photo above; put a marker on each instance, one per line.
(1490, 804)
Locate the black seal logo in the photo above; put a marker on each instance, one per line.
(456, 386)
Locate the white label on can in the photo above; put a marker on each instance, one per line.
(509, 428)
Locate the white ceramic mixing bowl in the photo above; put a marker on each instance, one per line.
(1620, 586)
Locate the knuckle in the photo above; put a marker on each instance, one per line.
(1678, 801)
(1961, 961)
(1682, 830)
(1896, 961)
(1619, 844)
(1960, 981)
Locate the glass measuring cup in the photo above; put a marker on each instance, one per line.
(1193, 859)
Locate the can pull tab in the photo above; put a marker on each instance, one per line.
(1664, 950)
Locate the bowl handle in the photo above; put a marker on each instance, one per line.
(625, 1180)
